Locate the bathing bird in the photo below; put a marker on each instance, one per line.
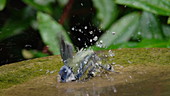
(82, 65)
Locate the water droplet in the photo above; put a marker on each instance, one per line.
(51, 72)
(130, 77)
(113, 63)
(114, 89)
(47, 71)
(139, 33)
(79, 30)
(91, 40)
(91, 32)
(81, 4)
(72, 28)
(95, 38)
(85, 62)
(76, 64)
(85, 27)
(28, 45)
(129, 62)
(113, 33)
(0, 49)
(85, 45)
(79, 39)
(101, 41)
(111, 54)
(100, 44)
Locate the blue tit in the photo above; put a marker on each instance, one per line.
(83, 65)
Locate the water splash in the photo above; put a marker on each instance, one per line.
(72, 28)
(85, 27)
(113, 33)
(100, 44)
(95, 38)
(111, 54)
(91, 32)
(79, 39)
(81, 4)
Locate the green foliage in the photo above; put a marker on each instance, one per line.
(16, 24)
(153, 43)
(62, 2)
(49, 29)
(11, 28)
(123, 29)
(161, 7)
(134, 22)
(166, 31)
(146, 43)
(2, 4)
(106, 12)
(39, 5)
(150, 26)
(169, 20)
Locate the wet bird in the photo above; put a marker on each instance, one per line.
(81, 66)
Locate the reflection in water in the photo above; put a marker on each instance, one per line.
(103, 91)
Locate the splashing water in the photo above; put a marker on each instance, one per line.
(113, 33)
(100, 44)
(111, 54)
(91, 32)
(95, 38)
(85, 27)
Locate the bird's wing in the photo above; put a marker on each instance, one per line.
(66, 50)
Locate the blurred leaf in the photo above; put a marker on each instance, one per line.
(166, 31)
(150, 27)
(152, 43)
(106, 12)
(146, 43)
(116, 46)
(38, 54)
(168, 20)
(49, 29)
(123, 29)
(161, 7)
(62, 2)
(11, 28)
(16, 23)
(40, 5)
(27, 54)
(2, 4)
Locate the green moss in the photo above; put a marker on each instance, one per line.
(130, 56)
(20, 72)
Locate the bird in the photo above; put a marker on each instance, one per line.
(82, 65)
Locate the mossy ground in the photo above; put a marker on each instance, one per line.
(18, 73)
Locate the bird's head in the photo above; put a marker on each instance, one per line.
(66, 74)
